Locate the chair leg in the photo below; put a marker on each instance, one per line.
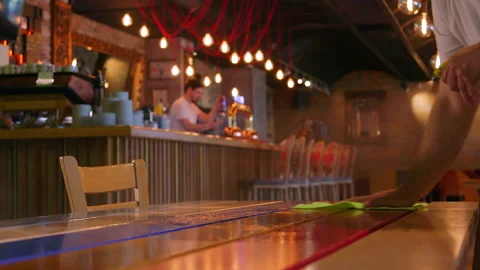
(307, 193)
(255, 193)
(352, 189)
(272, 194)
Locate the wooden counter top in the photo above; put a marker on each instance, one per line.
(128, 131)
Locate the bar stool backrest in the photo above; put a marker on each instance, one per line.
(286, 149)
(81, 181)
(316, 159)
(330, 160)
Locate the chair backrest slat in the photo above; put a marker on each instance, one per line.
(107, 178)
(80, 181)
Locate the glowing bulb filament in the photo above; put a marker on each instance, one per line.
(207, 81)
(299, 81)
(290, 83)
(248, 57)
(127, 20)
(234, 58)
(280, 74)
(175, 70)
(410, 5)
(437, 61)
(234, 92)
(74, 62)
(190, 71)
(208, 40)
(269, 65)
(259, 56)
(163, 43)
(308, 83)
(218, 78)
(224, 47)
(144, 32)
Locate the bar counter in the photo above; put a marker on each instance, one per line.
(181, 166)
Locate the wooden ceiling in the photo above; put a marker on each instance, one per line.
(330, 37)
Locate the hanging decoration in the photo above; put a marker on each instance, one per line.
(249, 23)
(127, 20)
(423, 27)
(409, 7)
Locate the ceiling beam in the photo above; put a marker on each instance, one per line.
(361, 37)
(406, 42)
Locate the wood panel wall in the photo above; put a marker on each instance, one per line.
(31, 182)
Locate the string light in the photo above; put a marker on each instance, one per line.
(207, 40)
(299, 81)
(280, 75)
(234, 58)
(144, 31)
(234, 92)
(248, 57)
(409, 7)
(423, 27)
(74, 62)
(308, 83)
(175, 70)
(190, 71)
(127, 20)
(224, 47)
(259, 56)
(269, 65)
(218, 78)
(207, 81)
(290, 83)
(163, 43)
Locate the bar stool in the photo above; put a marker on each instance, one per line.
(346, 181)
(316, 171)
(327, 180)
(280, 184)
(301, 179)
(80, 181)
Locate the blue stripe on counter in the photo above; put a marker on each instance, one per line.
(51, 245)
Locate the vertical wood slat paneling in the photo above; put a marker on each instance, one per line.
(31, 182)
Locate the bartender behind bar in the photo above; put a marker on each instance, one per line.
(184, 112)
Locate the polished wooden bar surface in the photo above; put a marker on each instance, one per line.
(181, 166)
(255, 235)
(439, 237)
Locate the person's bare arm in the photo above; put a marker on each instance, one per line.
(197, 127)
(445, 133)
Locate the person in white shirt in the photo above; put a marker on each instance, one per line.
(184, 113)
(457, 33)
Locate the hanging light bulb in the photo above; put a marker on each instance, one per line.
(144, 32)
(308, 83)
(423, 27)
(280, 75)
(218, 78)
(234, 92)
(234, 58)
(207, 81)
(248, 57)
(290, 83)
(189, 71)
(259, 55)
(74, 62)
(299, 81)
(163, 43)
(435, 61)
(207, 40)
(409, 7)
(175, 70)
(269, 65)
(127, 20)
(224, 47)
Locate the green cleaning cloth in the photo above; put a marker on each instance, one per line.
(354, 205)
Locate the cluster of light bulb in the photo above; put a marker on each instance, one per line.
(423, 27)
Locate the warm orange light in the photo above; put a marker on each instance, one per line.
(10, 52)
(20, 59)
(4, 43)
